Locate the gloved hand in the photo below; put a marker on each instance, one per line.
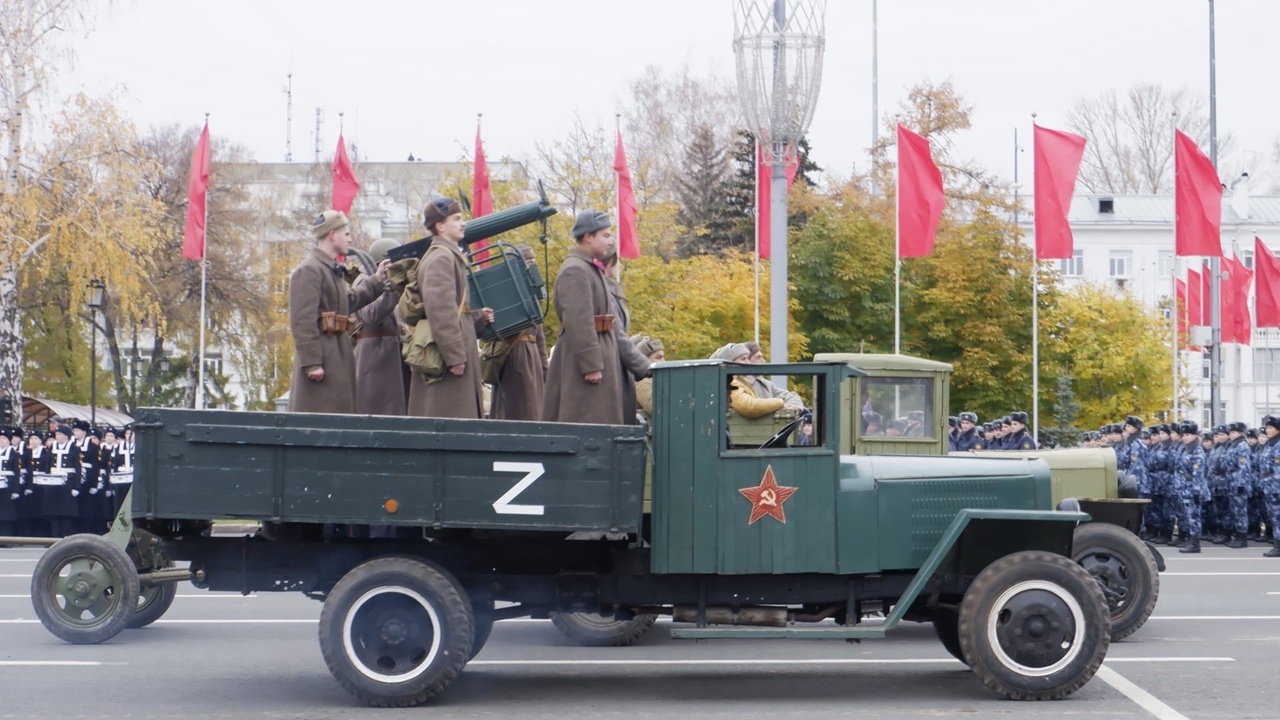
(93, 491)
(14, 496)
(75, 493)
(28, 491)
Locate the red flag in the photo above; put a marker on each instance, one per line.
(920, 198)
(628, 238)
(1236, 323)
(764, 193)
(1197, 201)
(1057, 159)
(1195, 305)
(345, 185)
(197, 199)
(1180, 302)
(482, 202)
(1267, 306)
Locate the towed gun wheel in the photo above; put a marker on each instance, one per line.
(1124, 569)
(153, 602)
(593, 630)
(483, 614)
(1034, 626)
(84, 589)
(396, 631)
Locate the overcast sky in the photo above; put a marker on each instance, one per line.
(411, 75)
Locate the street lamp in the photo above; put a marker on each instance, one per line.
(777, 48)
(97, 293)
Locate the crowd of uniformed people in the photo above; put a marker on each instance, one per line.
(67, 480)
(1007, 433)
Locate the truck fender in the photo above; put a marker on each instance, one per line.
(1155, 554)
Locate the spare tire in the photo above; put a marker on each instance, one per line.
(1124, 569)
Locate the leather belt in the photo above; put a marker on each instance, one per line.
(523, 337)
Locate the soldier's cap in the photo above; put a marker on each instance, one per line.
(1145, 434)
(731, 352)
(15, 433)
(1220, 430)
(952, 421)
(1133, 421)
(328, 221)
(969, 417)
(127, 428)
(1190, 426)
(589, 221)
(36, 434)
(1263, 423)
(753, 347)
(1206, 435)
(62, 430)
(108, 429)
(80, 425)
(1174, 428)
(1270, 421)
(1237, 427)
(646, 345)
(1018, 417)
(873, 418)
(1251, 433)
(437, 210)
(1004, 420)
(1161, 428)
(379, 249)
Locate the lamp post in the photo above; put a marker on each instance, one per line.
(778, 47)
(97, 293)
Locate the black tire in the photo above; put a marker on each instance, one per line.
(592, 630)
(483, 614)
(84, 589)
(1124, 569)
(153, 602)
(946, 624)
(396, 631)
(1051, 603)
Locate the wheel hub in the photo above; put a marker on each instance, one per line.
(87, 590)
(390, 634)
(1035, 628)
(1111, 575)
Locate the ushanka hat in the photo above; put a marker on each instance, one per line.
(437, 210)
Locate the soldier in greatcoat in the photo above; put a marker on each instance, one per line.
(442, 280)
(10, 484)
(652, 349)
(582, 382)
(380, 386)
(635, 366)
(35, 458)
(522, 379)
(320, 307)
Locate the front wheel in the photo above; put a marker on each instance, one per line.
(1034, 626)
(946, 624)
(396, 631)
(1125, 570)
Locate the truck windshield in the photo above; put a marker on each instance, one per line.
(763, 414)
(897, 407)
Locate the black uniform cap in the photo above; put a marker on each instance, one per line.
(1133, 421)
(1251, 433)
(1190, 426)
(969, 417)
(952, 421)
(1018, 417)
(1237, 426)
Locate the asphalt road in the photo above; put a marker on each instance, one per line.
(1212, 650)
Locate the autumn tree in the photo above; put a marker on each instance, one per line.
(700, 196)
(1115, 350)
(1130, 136)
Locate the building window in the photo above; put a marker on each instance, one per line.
(1247, 257)
(1266, 365)
(1121, 263)
(1205, 367)
(1072, 266)
(1164, 267)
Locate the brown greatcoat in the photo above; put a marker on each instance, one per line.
(634, 364)
(442, 279)
(380, 387)
(521, 387)
(316, 288)
(580, 295)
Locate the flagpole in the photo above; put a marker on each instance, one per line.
(617, 185)
(1215, 266)
(1035, 295)
(897, 261)
(1176, 314)
(755, 259)
(204, 283)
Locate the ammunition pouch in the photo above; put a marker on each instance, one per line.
(604, 323)
(331, 323)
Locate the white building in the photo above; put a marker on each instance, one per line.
(1126, 242)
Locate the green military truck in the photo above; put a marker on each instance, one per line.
(902, 386)
(500, 519)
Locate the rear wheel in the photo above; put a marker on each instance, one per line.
(1034, 626)
(395, 632)
(84, 589)
(946, 623)
(1124, 569)
(593, 630)
(153, 602)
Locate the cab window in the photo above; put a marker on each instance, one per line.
(892, 407)
(760, 414)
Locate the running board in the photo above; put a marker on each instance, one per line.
(761, 633)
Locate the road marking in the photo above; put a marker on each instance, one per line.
(48, 663)
(191, 622)
(776, 662)
(1215, 617)
(1142, 698)
(25, 560)
(198, 596)
(1208, 574)
(27, 576)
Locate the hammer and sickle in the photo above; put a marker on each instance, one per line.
(769, 498)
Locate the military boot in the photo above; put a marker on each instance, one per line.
(1192, 546)
(1237, 542)
(1274, 551)
(1181, 540)
(1163, 539)
(1217, 539)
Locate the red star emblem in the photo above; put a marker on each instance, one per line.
(767, 498)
